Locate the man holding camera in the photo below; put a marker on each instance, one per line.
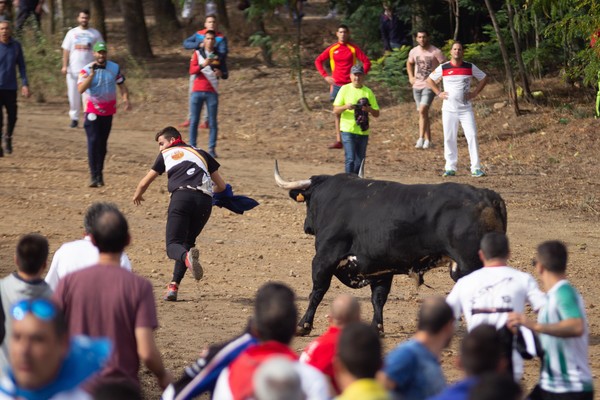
(99, 81)
(208, 65)
(354, 103)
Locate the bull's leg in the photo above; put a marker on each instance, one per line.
(322, 273)
(380, 289)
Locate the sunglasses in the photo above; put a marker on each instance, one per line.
(40, 308)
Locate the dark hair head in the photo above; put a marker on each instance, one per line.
(480, 350)
(494, 386)
(275, 313)
(169, 133)
(359, 350)
(117, 391)
(84, 11)
(210, 32)
(211, 16)
(342, 26)
(553, 256)
(457, 42)
(421, 30)
(109, 229)
(32, 253)
(494, 245)
(434, 315)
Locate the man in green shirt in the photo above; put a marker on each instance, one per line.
(355, 103)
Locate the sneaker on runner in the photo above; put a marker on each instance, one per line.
(426, 144)
(335, 145)
(171, 294)
(204, 125)
(192, 261)
(185, 124)
(449, 172)
(477, 173)
(419, 144)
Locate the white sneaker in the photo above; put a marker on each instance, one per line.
(419, 144)
(426, 144)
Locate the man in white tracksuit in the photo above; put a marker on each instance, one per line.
(77, 53)
(456, 76)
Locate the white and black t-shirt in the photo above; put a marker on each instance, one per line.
(186, 167)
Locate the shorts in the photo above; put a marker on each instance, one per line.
(423, 96)
(333, 91)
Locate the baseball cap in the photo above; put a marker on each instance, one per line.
(357, 69)
(100, 46)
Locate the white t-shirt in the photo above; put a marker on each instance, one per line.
(457, 83)
(487, 295)
(79, 43)
(73, 256)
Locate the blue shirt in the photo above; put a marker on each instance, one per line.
(415, 370)
(11, 55)
(458, 391)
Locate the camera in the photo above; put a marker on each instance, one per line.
(98, 66)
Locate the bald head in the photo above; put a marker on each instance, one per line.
(345, 309)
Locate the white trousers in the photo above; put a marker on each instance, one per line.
(450, 120)
(75, 98)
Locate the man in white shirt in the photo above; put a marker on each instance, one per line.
(79, 254)
(77, 53)
(456, 76)
(488, 295)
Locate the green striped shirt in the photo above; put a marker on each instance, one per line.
(565, 367)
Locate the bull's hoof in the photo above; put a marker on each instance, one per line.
(303, 330)
(380, 330)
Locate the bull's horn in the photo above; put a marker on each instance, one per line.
(289, 185)
(361, 171)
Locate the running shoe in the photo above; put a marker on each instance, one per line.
(427, 144)
(477, 173)
(204, 125)
(192, 261)
(419, 144)
(171, 294)
(335, 145)
(185, 124)
(449, 172)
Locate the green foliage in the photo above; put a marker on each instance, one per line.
(390, 71)
(262, 40)
(364, 27)
(43, 58)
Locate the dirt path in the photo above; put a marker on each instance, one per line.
(43, 188)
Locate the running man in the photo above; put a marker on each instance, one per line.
(193, 177)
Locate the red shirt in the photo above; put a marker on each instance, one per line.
(341, 56)
(319, 353)
(201, 84)
(242, 368)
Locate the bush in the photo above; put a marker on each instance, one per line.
(390, 71)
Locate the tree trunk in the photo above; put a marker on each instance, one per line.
(298, 63)
(456, 13)
(520, 63)
(136, 32)
(222, 11)
(538, 40)
(98, 17)
(165, 15)
(509, 75)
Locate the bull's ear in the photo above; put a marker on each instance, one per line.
(298, 195)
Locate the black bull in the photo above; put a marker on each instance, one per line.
(367, 230)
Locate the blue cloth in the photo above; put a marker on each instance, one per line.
(197, 99)
(458, 391)
(86, 357)
(355, 151)
(415, 370)
(237, 204)
(11, 56)
(194, 41)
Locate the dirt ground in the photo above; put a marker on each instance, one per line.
(543, 164)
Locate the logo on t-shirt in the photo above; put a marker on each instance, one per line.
(190, 171)
(177, 155)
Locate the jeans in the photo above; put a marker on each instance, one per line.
(212, 105)
(355, 151)
(8, 100)
(97, 138)
(189, 211)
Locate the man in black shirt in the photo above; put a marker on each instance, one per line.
(193, 176)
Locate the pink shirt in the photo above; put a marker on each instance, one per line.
(425, 60)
